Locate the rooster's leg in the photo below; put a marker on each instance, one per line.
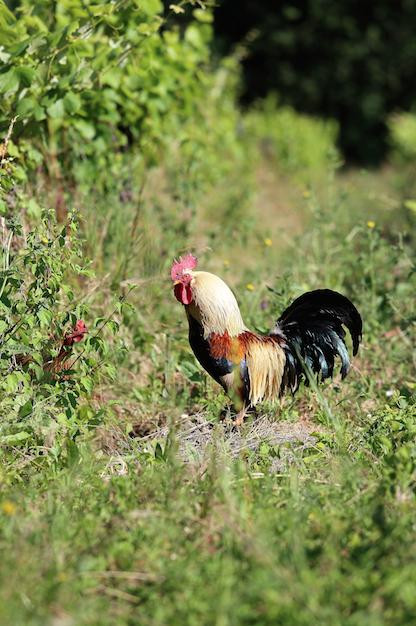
(239, 418)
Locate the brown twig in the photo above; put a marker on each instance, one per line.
(3, 146)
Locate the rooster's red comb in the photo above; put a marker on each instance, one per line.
(187, 262)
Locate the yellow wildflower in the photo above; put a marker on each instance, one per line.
(250, 286)
(371, 224)
(268, 242)
(8, 507)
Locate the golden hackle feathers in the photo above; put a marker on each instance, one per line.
(214, 305)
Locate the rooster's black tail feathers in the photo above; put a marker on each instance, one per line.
(314, 336)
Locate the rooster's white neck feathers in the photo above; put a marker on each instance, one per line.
(214, 305)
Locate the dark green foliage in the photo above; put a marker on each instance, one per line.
(344, 60)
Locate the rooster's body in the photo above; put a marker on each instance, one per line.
(251, 367)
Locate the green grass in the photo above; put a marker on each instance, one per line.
(116, 529)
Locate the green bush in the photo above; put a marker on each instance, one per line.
(402, 127)
(39, 308)
(46, 384)
(299, 144)
(87, 80)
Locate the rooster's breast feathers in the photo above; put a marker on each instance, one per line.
(247, 363)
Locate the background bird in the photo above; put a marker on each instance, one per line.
(250, 367)
(61, 361)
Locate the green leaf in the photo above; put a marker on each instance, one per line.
(33, 208)
(193, 36)
(112, 78)
(26, 74)
(5, 300)
(9, 82)
(70, 400)
(87, 384)
(11, 440)
(13, 149)
(3, 326)
(86, 130)
(57, 109)
(203, 16)
(8, 25)
(150, 7)
(101, 9)
(39, 113)
(11, 383)
(73, 453)
(72, 102)
(62, 237)
(26, 106)
(26, 409)
(113, 326)
(158, 452)
(36, 43)
(20, 173)
(110, 370)
(45, 317)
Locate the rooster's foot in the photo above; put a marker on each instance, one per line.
(239, 418)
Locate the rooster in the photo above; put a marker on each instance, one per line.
(252, 367)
